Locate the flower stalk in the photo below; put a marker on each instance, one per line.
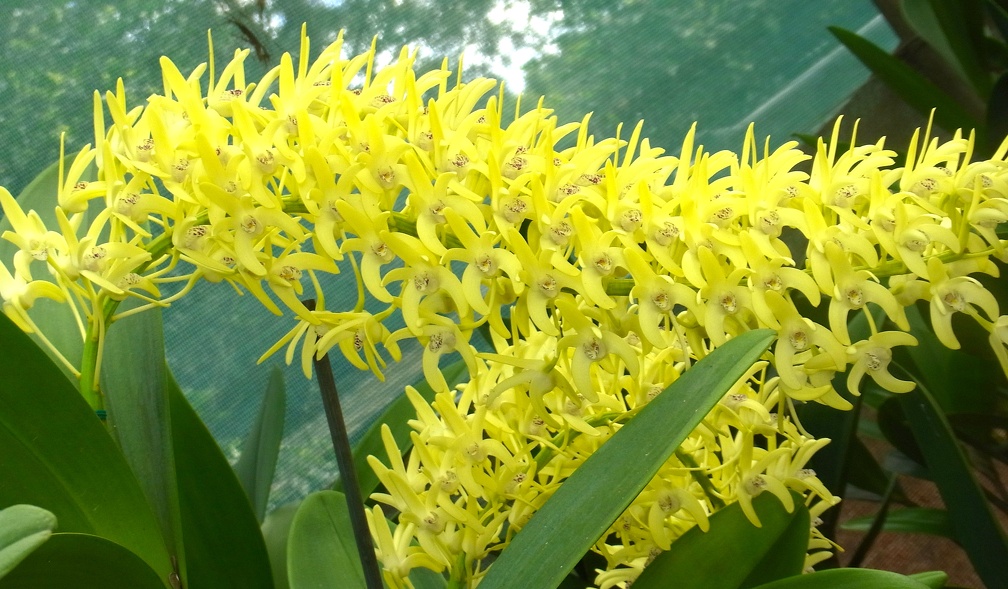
(347, 469)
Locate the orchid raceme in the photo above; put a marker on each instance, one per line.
(602, 268)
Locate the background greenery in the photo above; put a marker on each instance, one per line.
(720, 62)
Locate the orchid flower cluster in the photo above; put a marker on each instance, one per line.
(600, 270)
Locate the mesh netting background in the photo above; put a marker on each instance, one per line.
(722, 63)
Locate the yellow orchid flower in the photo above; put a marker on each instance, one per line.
(872, 357)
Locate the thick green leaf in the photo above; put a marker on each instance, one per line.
(133, 382)
(54, 319)
(976, 528)
(757, 555)
(911, 86)
(933, 579)
(224, 546)
(581, 510)
(276, 531)
(321, 552)
(57, 455)
(847, 579)
(911, 520)
(396, 416)
(956, 31)
(257, 463)
(23, 528)
(82, 561)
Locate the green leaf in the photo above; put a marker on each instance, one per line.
(976, 528)
(396, 416)
(133, 383)
(601, 489)
(933, 579)
(321, 552)
(427, 579)
(82, 561)
(956, 31)
(224, 546)
(757, 555)
(23, 528)
(911, 86)
(54, 319)
(258, 460)
(276, 531)
(58, 456)
(911, 520)
(847, 579)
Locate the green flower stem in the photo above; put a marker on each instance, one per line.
(459, 574)
(344, 459)
(89, 389)
(89, 363)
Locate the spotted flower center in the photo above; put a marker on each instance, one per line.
(290, 273)
(668, 502)
(425, 282)
(548, 285)
(38, 249)
(386, 176)
(560, 233)
(630, 220)
(250, 225)
(441, 341)
(666, 233)
(728, 302)
(382, 250)
(955, 300)
(773, 282)
(755, 485)
(799, 340)
(876, 359)
(266, 161)
(436, 210)
(514, 167)
(855, 297)
(593, 349)
(662, 300)
(93, 258)
(769, 223)
(515, 210)
(844, 194)
(485, 264)
(603, 263)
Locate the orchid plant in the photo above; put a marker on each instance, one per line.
(600, 271)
